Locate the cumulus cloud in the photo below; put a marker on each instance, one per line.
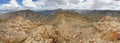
(64, 4)
(29, 3)
(10, 6)
(106, 5)
(55, 4)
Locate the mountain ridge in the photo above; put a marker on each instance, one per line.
(33, 16)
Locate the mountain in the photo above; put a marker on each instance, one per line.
(61, 16)
(28, 14)
(90, 15)
(20, 29)
(46, 12)
(58, 14)
(60, 26)
(96, 14)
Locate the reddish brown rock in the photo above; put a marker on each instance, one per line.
(105, 18)
(116, 36)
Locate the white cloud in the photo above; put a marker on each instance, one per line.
(77, 4)
(29, 3)
(54, 4)
(10, 6)
(67, 4)
(64, 4)
(106, 5)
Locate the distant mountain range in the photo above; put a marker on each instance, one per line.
(48, 15)
(28, 14)
(99, 13)
(59, 26)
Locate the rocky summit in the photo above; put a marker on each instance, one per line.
(60, 27)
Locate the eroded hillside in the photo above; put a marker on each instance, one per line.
(61, 27)
(28, 14)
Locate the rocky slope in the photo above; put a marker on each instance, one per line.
(62, 16)
(96, 14)
(107, 30)
(21, 30)
(28, 14)
(61, 27)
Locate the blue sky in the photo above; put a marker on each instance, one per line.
(14, 5)
(4, 1)
(18, 1)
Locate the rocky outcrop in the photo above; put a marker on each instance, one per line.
(108, 28)
(69, 30)
(42, 34)
(21, 30)
(27, 14)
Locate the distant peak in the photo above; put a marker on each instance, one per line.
(25, 11)
(59, 9)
